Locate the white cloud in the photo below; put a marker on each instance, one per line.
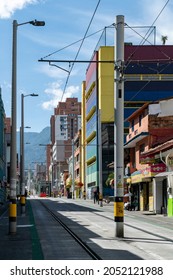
(55, 92)
(8, 7)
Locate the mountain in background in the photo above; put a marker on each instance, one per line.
(33, 152)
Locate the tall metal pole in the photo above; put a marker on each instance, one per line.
(22, 198)
(20, 160)
(119, 128)
(13, 158)
(22, 163)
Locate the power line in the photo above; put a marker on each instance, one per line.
(168, 57)
(145, 38)
(79, 49)
(90, 35)
(156, 18)
(141, 43)
(73, 43)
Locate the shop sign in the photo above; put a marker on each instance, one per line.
(150, 171)
(147, 159)
(154, 169)
(136, 177)
(157, 168)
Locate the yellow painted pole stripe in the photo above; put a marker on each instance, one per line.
(118, 209)
(22, 200)
(13, 210)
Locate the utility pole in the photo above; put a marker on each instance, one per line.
(22, 174)
(119, 127)
(13, 158)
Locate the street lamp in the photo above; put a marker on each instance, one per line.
(13, 165)
(22, 157)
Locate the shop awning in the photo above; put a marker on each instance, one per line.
(164, 174)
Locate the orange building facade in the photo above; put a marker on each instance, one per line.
(147, 132)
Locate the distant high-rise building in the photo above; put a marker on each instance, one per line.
(65, 124)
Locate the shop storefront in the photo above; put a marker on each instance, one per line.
(142, 186)
(163, 178)
(163, 190)
(163, 193)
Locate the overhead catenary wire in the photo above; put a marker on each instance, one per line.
(74, 43)
(71, 68)
(155, 20)
(90, 35)
(145, 38)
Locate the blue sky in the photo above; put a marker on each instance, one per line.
(66, 22)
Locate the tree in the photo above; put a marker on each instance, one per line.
(164, 39)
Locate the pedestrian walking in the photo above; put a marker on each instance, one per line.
(95, 196)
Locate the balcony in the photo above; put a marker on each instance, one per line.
(134, 138)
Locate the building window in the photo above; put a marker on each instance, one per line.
(142, 148)
(72, 128)
(77, 172)
(77, 158)
(132, 125)
(140, 120)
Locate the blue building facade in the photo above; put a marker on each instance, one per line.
(148, 76)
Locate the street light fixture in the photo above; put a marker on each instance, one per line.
(13, 159)
(22, 156)
(37, 23)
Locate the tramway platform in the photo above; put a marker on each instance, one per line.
(146, 236)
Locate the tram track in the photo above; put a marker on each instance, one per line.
(95, 229)
(83, 244)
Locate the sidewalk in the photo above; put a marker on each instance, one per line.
(110, 205)
(25, 242)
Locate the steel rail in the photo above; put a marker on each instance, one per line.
(74, 235)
